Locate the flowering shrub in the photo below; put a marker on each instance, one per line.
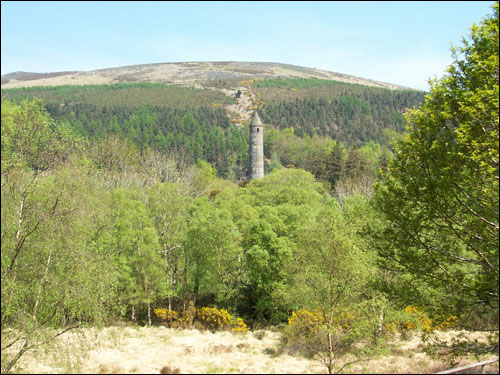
(240, 326)
(304, 323)
(418, 319)
(414, 318)
(214, 319)
(310, 332)
(446, 323)
(188, 316)
(203, 318)
(165, 314)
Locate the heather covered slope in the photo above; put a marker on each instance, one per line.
(184, 73)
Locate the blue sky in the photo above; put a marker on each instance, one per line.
(403, 43)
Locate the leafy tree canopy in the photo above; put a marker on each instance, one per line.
(440, 195)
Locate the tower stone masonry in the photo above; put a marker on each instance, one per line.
(256, 149)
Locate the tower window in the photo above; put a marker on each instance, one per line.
(257, 130)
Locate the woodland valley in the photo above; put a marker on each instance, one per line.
(133, 240)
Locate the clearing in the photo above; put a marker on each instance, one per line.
(143, 350)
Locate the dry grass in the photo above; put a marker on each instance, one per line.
(141, 350)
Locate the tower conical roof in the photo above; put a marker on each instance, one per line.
(256, 120)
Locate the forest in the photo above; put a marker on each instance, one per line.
(351, 126)
(113, 211)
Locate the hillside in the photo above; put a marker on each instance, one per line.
(226, 77)
(182, 73)
(202, 110)
(28, 76)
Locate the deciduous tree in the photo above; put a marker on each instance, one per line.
(440, 195)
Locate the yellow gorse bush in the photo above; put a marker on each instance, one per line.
(427, 324)
(419, 318)
(209, 317)
(416, 318)
(168, 317)
(240, 326)
(448, 322)
(304, 322)
(345, 319)
(165, 314)
(213, 318)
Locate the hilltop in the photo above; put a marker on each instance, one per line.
(182, 73)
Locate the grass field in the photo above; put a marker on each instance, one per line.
(137, 350)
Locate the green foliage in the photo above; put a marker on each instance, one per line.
(51, 216)
(266, 263)
(168, 205)
(212, 242)
(352, 114)
(170, 118)
(332, 275)
(192, 122)
(137, 200)
(202, 133)
(439, 198)
(38, 206)
(332, 261)
(30, 139)
(134, 241)
(299, 83)
(121, 94)
(343, 170)
(354, 106)
(270, 215)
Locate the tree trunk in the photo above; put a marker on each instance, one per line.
(149, 313)
(35, 308)
(21, 351)
(329, 365)
(380, 323)
(17, 248)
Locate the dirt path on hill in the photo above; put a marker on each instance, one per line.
(243, 109)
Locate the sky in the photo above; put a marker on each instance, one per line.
(400, 42)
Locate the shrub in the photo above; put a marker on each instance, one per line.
(188, 316)
(240, 326)
(305, 332)
(214, 319)
(304, 323)
(202, 318)
(327, 338)
(165, 315)
(414, 318)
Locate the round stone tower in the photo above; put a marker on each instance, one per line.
(256, 149)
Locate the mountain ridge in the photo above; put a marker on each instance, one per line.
(195, 73)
